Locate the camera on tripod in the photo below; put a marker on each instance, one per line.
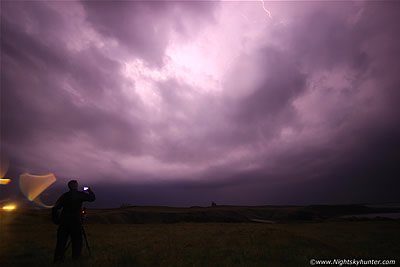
(83, 216)
(83, 211)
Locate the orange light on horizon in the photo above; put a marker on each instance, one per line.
(4, 181)
(9, 207)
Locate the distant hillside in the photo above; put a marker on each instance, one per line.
(231, 214)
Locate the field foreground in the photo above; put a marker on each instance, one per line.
(28, 240)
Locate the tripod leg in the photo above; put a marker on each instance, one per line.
(87, 243)
(69, 244)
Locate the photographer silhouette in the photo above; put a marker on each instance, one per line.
(70, 220)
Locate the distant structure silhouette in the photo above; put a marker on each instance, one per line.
(213, 204)
(70, 220)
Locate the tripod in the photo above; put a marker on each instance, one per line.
(86, 241)
(83, 216)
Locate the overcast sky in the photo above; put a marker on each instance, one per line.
(188, 102)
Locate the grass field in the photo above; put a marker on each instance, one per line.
(28, 239)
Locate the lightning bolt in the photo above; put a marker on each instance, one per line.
(266, 10)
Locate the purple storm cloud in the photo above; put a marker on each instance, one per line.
(185, 102)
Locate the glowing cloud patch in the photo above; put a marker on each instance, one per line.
(33, 185)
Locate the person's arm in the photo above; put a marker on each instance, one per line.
(91, 196)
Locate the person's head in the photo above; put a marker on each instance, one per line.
(73, 185)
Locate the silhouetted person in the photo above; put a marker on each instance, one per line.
(70, 220)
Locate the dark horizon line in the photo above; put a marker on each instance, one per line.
(225, 205)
